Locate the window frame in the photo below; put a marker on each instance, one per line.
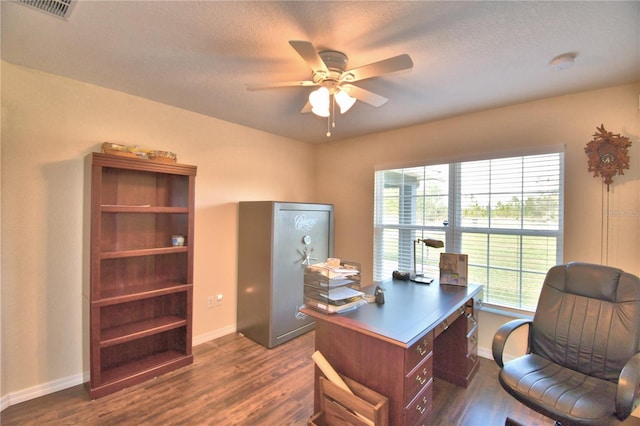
(453, 231)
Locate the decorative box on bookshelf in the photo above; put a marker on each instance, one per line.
(139, 287)
(333, 286)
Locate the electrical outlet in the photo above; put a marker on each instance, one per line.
(219, 299)
(210, 302)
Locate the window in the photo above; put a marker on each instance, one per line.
(505, 213)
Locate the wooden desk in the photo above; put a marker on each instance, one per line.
(397, 348)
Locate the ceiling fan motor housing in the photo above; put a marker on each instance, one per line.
(336, 62)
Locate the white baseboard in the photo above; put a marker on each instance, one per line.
(203, 338)
(488, 353)
(43, 389)
(485, 353)
(4, 402)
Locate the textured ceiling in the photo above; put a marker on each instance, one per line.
(200, 55)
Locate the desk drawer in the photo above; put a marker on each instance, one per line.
(472, 322)
(426, 419)
(472, 359)
(448, 322)
(420, 405)
(472, 348)
(418, 352)
(418, 378)
(472, 340)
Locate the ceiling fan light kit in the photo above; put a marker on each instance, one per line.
(344, 101)
(329, 71)
(319, 100)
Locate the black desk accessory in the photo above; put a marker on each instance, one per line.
(379, 293)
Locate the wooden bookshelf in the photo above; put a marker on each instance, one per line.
(139, 287)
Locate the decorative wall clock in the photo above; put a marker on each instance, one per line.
(608, 154)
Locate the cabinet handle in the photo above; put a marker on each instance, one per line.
(421, 351)
(423, 380)
(422, 409)
(445, 324)
(472, 319)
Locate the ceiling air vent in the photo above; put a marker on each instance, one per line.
(55, 7)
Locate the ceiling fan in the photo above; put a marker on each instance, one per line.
(329, 71)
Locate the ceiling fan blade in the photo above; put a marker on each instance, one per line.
(306, 108)
(310, 55)
(260, 86)
(364, 95)
(386, 66)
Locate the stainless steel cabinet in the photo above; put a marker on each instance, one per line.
(275, 242)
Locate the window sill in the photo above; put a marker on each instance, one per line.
(507, 312)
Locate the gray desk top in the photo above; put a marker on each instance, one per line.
(409, 310)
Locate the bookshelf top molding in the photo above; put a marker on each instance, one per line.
(109, 160)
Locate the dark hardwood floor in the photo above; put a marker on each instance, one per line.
(235, 381)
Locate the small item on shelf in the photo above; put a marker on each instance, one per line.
(177, 240)
(164, 156)
(123, 150)
(135, 151)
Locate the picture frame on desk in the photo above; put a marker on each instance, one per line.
(454, 269)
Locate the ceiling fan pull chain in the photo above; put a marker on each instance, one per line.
(329, 126)
(330, 116)
(333, 111)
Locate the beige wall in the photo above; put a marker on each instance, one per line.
(345, 172)
(50, 123)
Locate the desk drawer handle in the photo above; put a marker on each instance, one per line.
(422, 409)
(472, 319)
(445, 324)
(425, 376)
(420, 350)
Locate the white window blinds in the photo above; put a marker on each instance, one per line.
(505, 213)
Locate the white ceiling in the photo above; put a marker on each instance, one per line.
(200, 55)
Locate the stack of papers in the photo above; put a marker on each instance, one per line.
(333, 288)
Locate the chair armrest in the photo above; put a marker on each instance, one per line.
(500, 338)
(628, 387)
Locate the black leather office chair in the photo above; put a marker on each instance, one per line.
(582, 366)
